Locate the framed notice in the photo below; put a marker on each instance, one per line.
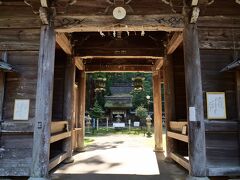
(216, 105)
(21, 109)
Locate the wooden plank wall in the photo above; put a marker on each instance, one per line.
(23, 47)
(58, 92)
(222, 136)
(179, 84)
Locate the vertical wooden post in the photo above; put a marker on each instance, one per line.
(169, 99)
(43, 113)
(238, 92)
(196, 128)
(68, 107)
(157, 111)
(82, 101)
(2, 82)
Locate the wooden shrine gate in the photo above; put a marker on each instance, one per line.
(52, 44)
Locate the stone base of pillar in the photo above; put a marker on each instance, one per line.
(38, 178)
(197, 178)
(80, 150)
(160, 150)
(68, 160)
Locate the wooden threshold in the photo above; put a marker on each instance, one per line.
(177, 136)
(57, 160)
(180, 160)
(58, 137)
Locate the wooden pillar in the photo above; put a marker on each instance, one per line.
(157, 111)
(2, 82)
(68, 107)
(238, 92)
(196, 128)
(169, 100)
(82, 100)
(43, 113)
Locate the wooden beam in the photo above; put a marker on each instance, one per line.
(194, 98)
(58, 137)
(58, 126)
(74, 23)
(178, 136)
(121, 57)
(64, 43)
(118, 68)
(195, 14)
(44, 95)
(97, 52)
(158, 64)
(157, 110)
(174, 42)
(238, 92)
(79, 63)
(169, 96)
(68, 107)
(180, 160)
(177, 125)
(82, 102)
(57, 160)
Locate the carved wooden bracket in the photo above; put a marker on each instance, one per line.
(61, 5)
(47, 15)
(34, 4)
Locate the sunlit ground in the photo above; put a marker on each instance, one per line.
(116, 155)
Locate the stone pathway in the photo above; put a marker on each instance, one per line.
(116, 157)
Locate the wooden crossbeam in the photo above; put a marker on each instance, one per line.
(158, 64)
(79, 63)
(118, 68)
(64, 43)
(77, 23)
(175, 41)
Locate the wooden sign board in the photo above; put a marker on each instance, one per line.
(216, 105)
(21, 109)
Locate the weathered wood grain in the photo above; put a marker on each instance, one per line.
(174, 42)
(157, 110)
(81, 110)
(68, 106)
(169, 98)
(196, 129)
(41, 145)
(178, 136)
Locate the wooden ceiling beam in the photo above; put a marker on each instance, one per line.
(118, 68)
(79, 63)
(64, 43)
(171, 22)
(124, 51)
(158, 64)
(174, 42)
(121, 57)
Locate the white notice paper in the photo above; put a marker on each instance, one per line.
(192, 114)
(216, 105)
(21, 109)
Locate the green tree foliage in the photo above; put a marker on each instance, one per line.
(142, 113)
(97, 111)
